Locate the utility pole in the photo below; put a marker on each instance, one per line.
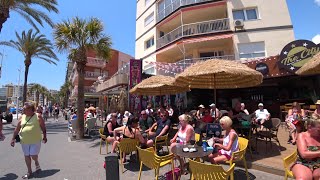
(18, 94)
(2, 54)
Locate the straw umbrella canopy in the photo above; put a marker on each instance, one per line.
(311, 67)
(158, 85)
(219, 74)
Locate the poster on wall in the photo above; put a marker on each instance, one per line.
(134, 79)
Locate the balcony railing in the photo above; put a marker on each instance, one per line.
(89, 89)
(117, 79)
(95, 62)
(92, 75)
(198, 28)
(183, 64)
(175, 5)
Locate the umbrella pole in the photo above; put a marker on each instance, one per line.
(215, 90)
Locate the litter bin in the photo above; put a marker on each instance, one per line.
(112, 167)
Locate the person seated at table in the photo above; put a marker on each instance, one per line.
(243, 108)
(163, 126)
(110, 127)
(316, 112)
(214, 112)
(307, 165)
(226, 145)
(130, 130)
(295, 114)
(262, 115)
(145, 123)
(236, 113)
(184, 135)
(200, 112)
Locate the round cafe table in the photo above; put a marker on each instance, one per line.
(198, 154)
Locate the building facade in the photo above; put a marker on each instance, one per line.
(184, 31)
(96, 68)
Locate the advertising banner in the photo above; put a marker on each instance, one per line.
(135, 78)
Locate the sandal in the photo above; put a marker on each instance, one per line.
(38, 169)
(27, 176)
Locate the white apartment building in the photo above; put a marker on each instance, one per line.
(178, 30)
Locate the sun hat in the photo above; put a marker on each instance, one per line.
(260, 104)
(213, 104)
(201, 106)
(318, 102)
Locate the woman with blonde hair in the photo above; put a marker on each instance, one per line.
(226, 145)
(307, 165)
(295, 126)
(184, 135)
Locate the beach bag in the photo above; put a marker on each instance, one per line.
(176, 174)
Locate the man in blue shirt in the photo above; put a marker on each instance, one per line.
(163, 126)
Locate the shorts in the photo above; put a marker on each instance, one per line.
(226, 155)
(31, 149)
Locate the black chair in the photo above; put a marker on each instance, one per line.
(271, 132)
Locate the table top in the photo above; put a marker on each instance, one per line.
(198, 154)
(290, 104)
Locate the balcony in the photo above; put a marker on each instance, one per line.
(204, 27)
(176, 4)
(89, 75)
(95, 62)
(183, 64)
(116, 80)
(89, 89)
(86, 90)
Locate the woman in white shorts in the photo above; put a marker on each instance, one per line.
(29, 128)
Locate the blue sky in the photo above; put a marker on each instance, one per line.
(119, 20)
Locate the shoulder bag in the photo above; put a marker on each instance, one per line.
(17, 138)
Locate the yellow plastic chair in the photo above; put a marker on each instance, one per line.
(161, 141)
(197, 137)
(201, 171)
(127, 145)
(287, 162)
(150, 159)
(103, 138)
(241, 154)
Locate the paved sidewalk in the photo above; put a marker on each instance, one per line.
(61, 159)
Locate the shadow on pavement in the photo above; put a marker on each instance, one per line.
(46, 173)
(240, 174)
(9, 176)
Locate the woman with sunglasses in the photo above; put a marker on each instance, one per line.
(226, 145)
(293, 121)
(109, 128)
(184, 135)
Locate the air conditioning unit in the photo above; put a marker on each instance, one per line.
(238, 23)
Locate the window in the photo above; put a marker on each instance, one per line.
(148, 20)
(251, 50)
(147, 2)
(149, 43)
(245, 14)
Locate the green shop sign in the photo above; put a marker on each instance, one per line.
(296, 54)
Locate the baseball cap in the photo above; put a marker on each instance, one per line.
(213, 104)
(260, 104)
(201, 106)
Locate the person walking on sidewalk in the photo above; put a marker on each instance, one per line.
(1, 134)
(29, 129)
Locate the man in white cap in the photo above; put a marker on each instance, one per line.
(214, 112)
(316, 113)
(262, 115)
(199, 114)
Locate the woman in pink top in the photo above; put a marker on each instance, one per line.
(226, 145)
(184, 135)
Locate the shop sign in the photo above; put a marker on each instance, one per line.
(263, 68)
(134, 79)
(296, 54)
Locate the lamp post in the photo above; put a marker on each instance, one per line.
(18, 94)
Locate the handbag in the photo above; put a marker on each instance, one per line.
(17, 138)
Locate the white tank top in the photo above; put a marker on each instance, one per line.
(234, 147)
(182, 136)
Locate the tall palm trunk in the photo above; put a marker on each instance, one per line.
(80, 101)
(27, 63)
(37, 98)
(42, 95)
(4, 15)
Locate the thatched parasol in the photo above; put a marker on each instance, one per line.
(311, 67)
(219, 74)
(158, 85)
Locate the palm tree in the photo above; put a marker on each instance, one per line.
(78, 36)
(38, 89)
(65, 92)
(28, 10)
(32, 45)
(43, 92)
